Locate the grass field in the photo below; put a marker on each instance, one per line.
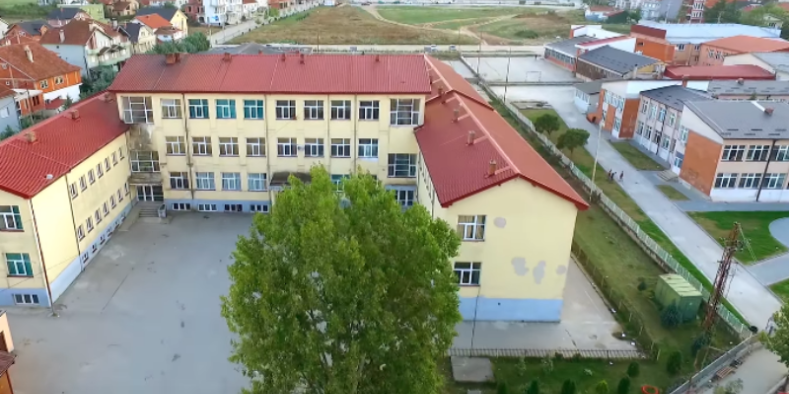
(7, 3)
(637, 158)
(755, 226)
(345, 26)
(672, 193)
(423, 15)
(781, 289)
(585, 373)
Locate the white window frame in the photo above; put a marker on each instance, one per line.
(83, 183)
(179, 180)
(112, 201)
(313, 109)
(137, 109)
(672, 118)
(80, 233)
(89, 222)
(144, 161)
(201, 146)
(176, 146)
(725, 180)
(341, 110)
(397, 160)
(285, 109)
(199, 107)
(774, 180)
(340, 147)
(99, 170)
(471, 227)
(369, 110)
(171, 109)
(287, 147)
(368, 148)
(256, 147)
(181, 206)
(206, 207)
(253, 108)
(465, 273)
(750, 180)
(225, 109)
(404, 112)
(782, 153)
(256, 182)
(12, 219)
(758, 153)
(314, 147)
(405, 197)
(231, 181)
(205, 181)
(20, 265)
(98, 216)
(733, 153)
(26, 299)
(91, 177)
(263, 208)
(228, 146)
(73, 190)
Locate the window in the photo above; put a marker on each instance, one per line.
(120, 153)
(228, 146)
(179, 180)
(112, 202)
(253, 109)
(672, 118)
(234, 208)
(100, 170)
(80, 233)
(89, 221)
(256, 182)
(58, 80)
(286, 147)
(471, 228)
(404, 112)
(144, 161)
(697, 47)
(198, 109)
(368, 110)
(175, 145)
(340, 147)
(26, 299)
(652, 111)
(338, 180)
(286, 109)
(782, 153)
(73, 190)
(725, 180)
(256, 146)
(83, 184)
(171, 109)
(644, 106)
(758, 153)
(225, 109)
(750, 180)
(640, 128)
(107, 166)
(662, 114)
(201, 146)
(368, 147)
(44, 84)
(678, 161)
(204, 181)
(402, 165)
(680, 47)
(468, 273)
(18, 264)
(648, 132)
(206, 207)
(733, 152)
(137, 109)
(313, 147)
(180, 206)
(683, 135)
(341, 109)
(99, 215)
(664, 142)
(126, 188)
(313, 109)
(774, 180)
(258, 208)
(91, 177)
(120, 195)
(231, 181)
(405, 197)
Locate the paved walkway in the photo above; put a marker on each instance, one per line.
(231, 32)
(746, 293)
(776, 269)
(759, 373)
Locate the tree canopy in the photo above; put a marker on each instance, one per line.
(722, 12)
(756, 16)
(572, 139)
(546, 123)
(194, 43)
(343, 293)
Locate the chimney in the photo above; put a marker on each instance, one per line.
(29, 54)
(260, 51)
(178, 57)
(301, 58)
(170, 58)
(440, 91)
(282, 57)
(740, 81)
(492, 168)
(62, 36)
(471, 136)
(685, 82)
(456, 112)
(768, 111)
(227, 57)
(106, 97)
(377, 57)
(75, 114)
(30, 136)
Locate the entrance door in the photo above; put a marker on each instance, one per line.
(150, 193)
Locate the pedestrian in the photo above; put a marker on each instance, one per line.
(613, 175)
(609, 174)
(621, 175)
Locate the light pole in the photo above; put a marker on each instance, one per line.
(507, 77)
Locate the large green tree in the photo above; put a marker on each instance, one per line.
(761, 16)
(343, 293)
(722, 12)
(778, 341)
(194, 43)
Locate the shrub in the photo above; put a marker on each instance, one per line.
(534, 388)
(642, 285)
(674, 363)
(522, 367)
(558, 356)
(527, 34)
(547, 365)
(624, 385)
(568, 387)
(601, 388)
(633, 369)
(502, 388)
(699, 343)
(670, 317)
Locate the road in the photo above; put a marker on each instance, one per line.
(756, 303)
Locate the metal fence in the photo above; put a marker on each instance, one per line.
(646, 242)
(598, 354)
(703, 376)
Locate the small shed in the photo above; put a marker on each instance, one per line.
(674, 289)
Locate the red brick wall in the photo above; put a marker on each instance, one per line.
(629, 115)
(701, 161)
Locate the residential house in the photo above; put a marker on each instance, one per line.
(281, 5)
(142, 37)
(750, 90)
(3, 28)
(88, 44)
(61, 16)
(714, 52)
(173, 15)
(610, 62)
(658, 122)
(587, 95)
(776, 63)
(620, 101)
(597, 12)
(429, 137)
(194, 9)
(688, 37)
(94, 11)
(737, 150)
(250, 7)
(63, 192)
(709, 73)
(163, 31)
(9, 117)
(20, 31)
(120, 8)
(33, 67)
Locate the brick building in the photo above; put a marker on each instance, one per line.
(713, 53)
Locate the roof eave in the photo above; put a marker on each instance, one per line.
(17, 192)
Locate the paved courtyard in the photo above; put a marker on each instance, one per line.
(522, 69)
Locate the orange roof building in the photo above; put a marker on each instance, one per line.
(713, 52)
(154, 21)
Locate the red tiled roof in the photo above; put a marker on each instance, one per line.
(54, 104)
(5, 92)
(459, 170)
(748, 44)
(76, 32)
(17, 39)
(61, 144)
(46, 64)
(319, 74)
(602, 41)
(248, 1)
(154, 21)
(120, 6)
(703, 73)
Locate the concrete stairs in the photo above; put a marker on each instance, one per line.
(149, 209)
(147, 212)
(668, 176)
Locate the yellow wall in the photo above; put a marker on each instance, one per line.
(180, 21)
(6, 331)
(56, 227)
(20, 242)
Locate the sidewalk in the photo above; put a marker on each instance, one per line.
(230, 32)
(759, 373)
(745, 292)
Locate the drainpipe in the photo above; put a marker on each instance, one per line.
(355, 143)
(187, 145)
(267, 153)
(769, 159)
(662, 133)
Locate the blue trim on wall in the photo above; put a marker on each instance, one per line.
(7, 296)
(220, 204)
(70, 274)
(510, 309)
(400, 187)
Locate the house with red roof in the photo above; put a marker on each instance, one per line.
(162, 28)
(40, 74)
(88, 44)
(233, 128)
(63, 192)
(712, 53)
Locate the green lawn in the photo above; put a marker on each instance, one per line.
(672, 193)
(781, 289)
(7, 3)
(637, 158)
(585, 373)
(755, 226)
(421, 15)
(458, 24)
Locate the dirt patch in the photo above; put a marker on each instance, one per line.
(347, 26)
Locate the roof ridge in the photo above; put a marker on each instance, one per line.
(492, 140)
(451, 88)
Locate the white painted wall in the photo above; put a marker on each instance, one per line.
(596, 31)
(71, 91)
